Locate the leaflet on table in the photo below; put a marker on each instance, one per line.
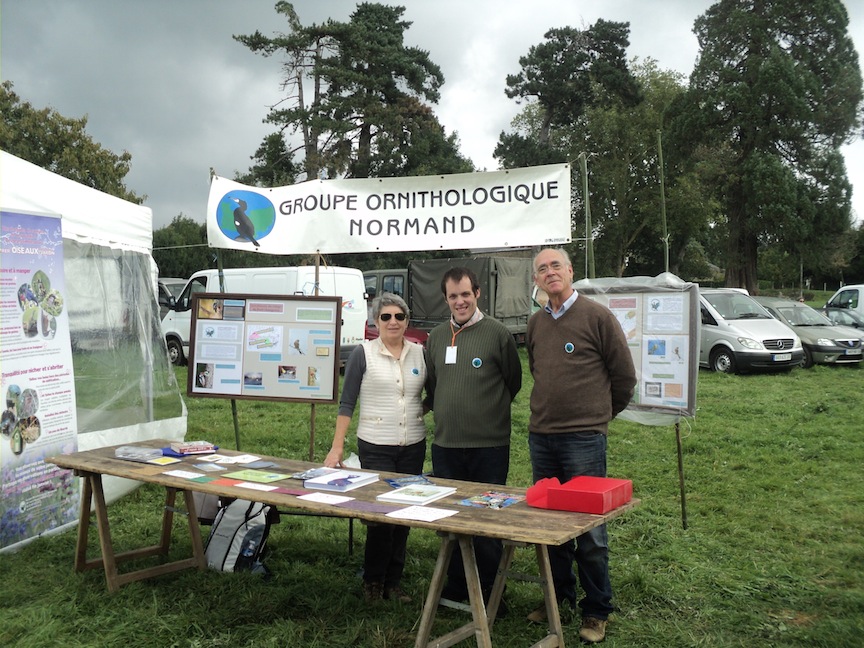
(341, 480)
(418, 494)
(492, 500)
(225, 459)
(256, 476)
(422, 513)
(325, 498)
(311, 473)
(399, 482)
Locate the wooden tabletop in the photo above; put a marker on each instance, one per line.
(518, 522)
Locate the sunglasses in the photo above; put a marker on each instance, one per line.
(385, 317)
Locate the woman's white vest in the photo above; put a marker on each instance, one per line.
(391, 410)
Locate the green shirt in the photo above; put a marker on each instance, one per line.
(471, 397)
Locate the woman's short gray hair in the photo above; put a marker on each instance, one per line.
(389, 299)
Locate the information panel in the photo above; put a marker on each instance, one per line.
(265, 347)
(661, 325)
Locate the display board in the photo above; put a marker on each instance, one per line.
(660, 319)
(265, 347)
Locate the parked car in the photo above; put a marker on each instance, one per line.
(843, 316)
(738, 335)
(849, 297)
(823, 341)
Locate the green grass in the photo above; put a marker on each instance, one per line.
(772, 556)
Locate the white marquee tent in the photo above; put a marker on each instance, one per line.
(124, 385)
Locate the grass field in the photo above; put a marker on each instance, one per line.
(773, 554)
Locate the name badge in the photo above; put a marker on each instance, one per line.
(450, 355)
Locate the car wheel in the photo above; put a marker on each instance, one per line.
(807, 362)
(723, 361)
(175, 353)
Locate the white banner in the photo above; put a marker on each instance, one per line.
(514, 208)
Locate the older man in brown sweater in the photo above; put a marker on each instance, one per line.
(583, 377)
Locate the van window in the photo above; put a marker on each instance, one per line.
(734, 306)
(196, 285)
(394, 284)
(707, 318)
(845, 299)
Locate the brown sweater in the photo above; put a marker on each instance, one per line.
(583, 371)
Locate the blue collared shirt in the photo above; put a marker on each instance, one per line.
(567, 304)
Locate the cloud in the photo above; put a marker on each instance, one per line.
(166, 81)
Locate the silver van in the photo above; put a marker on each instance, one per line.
(738, 335)
(850, 298)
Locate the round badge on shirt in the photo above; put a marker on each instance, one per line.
(476, 363)
(569, 348)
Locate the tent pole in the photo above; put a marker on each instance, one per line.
(312, 406)
(681, 475)
(233, 401)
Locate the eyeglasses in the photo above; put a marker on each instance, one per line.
(385, 317)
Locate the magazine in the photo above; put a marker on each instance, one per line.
(492, 499)
(313, 472)
(417, 494)
(341, 480)
(399, 482)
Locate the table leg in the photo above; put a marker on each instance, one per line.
(195, 531)
(552, 615)
(93, 492)
(105, 543)
(435, 588)
(475, 593)
(479, 625)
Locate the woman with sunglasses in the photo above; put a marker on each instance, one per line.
(386, 375)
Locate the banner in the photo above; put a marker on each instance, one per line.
(514, 208)
(39, 418)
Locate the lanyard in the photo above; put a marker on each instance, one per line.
(454, 332)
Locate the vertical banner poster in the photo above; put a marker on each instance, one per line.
(38, 388)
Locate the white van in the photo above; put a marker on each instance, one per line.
(346, 283)
(848, 297)
(738, 335)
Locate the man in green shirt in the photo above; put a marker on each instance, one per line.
(474, 373)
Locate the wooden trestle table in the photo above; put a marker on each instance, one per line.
(516, 525)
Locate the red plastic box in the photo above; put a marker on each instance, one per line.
(595, 495)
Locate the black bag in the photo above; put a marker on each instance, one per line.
(238, 536)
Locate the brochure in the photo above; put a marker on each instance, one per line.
(492, 500)
(313, 472)
(417, 494)
(341, 480)
(143, 455)
(256, 476)
(399, 482)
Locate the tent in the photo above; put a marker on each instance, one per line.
(124, 386)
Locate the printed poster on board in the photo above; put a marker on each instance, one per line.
(38, 388)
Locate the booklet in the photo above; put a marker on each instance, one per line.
(341, 480)
(313, 472)
(399, 482)
(492, 500)
(417, 494)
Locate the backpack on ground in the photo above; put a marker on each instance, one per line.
(238, 536)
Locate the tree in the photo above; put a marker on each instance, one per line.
(61, 145)
(777, 84)
(274, 164)
(570, 72)
(356, 94)
(180, 248)
(620, 138)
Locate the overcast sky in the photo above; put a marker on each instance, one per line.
(164, 80)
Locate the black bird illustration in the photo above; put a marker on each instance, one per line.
(243, 223)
